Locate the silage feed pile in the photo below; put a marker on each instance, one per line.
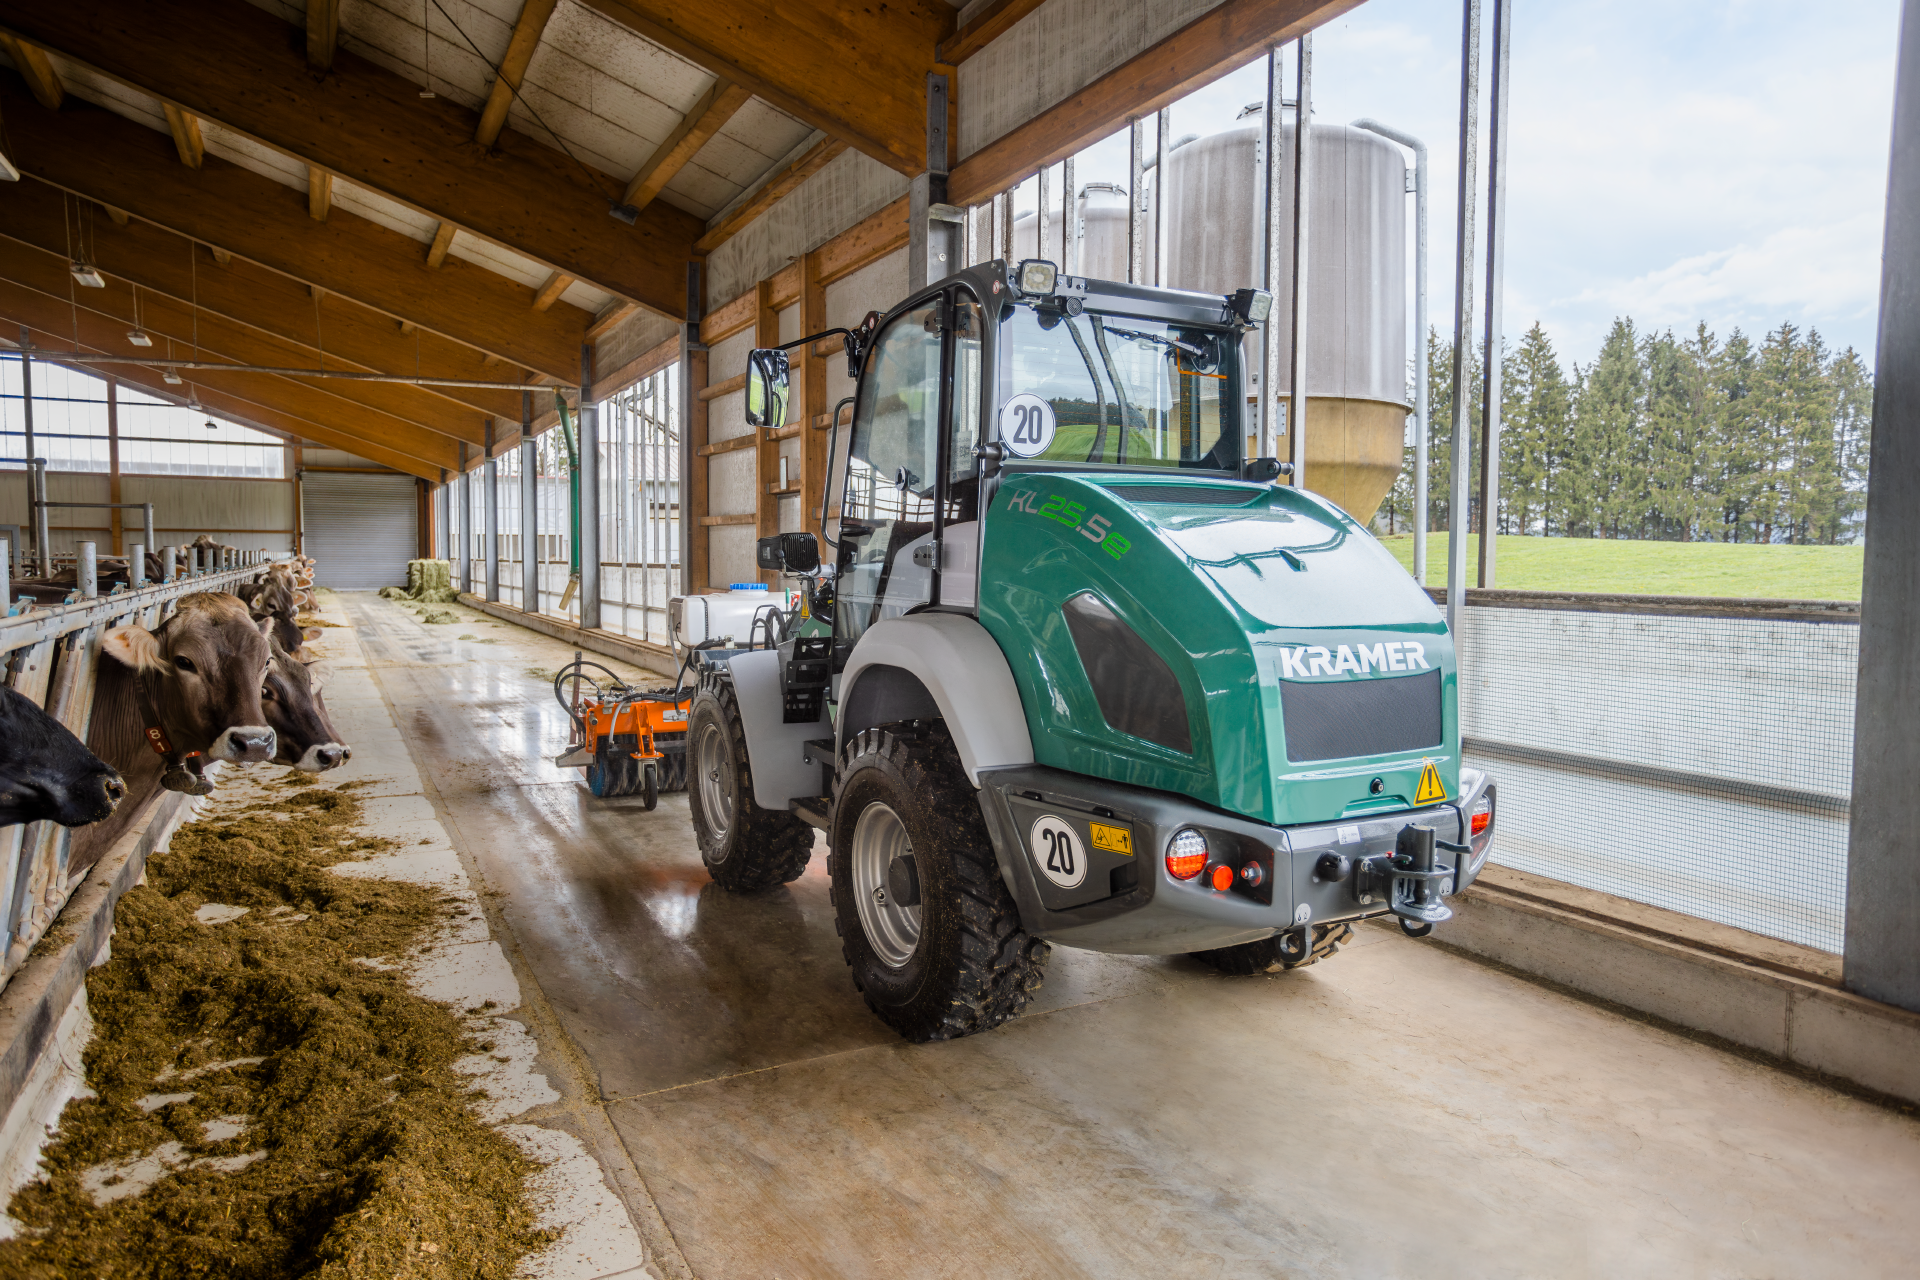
(428, 582)
(270, 1099)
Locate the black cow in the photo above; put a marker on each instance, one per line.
(48, 774)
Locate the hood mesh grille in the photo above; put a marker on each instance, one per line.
(1342, 719)
(1184, 495)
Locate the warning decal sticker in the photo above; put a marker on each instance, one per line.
(1112, 839)
(1431, 790)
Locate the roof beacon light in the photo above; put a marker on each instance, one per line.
(1253, 306)
(1037, 277)
(1186, 854)
(87, 274)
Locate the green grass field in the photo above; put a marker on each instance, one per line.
(1655, 568)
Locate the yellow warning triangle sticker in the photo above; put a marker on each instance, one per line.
(1431, 789)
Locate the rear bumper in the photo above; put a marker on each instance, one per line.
(1129, 904)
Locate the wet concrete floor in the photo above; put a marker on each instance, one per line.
(1399, 1110)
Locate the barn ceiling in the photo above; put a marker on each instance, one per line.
(407, 186)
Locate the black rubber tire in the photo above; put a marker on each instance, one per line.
(649, 783)
(973, 967)
(1271, 955)
(747, 848)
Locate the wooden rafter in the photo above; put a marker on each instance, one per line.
(273, 403)
(608, 319)
(442, 241)
(32, 64)
(1221, 40)
(816, 158)
(707, 117)
(549, 293)
(230, 62)
(319, 193)
(986, 26)
(513, 68)
(185, 128)
(111, 312)
(98, 155)
(855, 72)
(323, 33)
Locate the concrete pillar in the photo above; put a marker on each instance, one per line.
(1883, 869)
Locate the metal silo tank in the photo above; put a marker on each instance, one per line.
(1357, 287)
(1103, 221)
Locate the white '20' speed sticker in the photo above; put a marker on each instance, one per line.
(1026, 425)
(1056, 847)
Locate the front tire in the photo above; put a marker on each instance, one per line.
(744, 846)
(956, 961)
(1281, 951)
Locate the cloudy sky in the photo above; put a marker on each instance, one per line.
(1672, 160)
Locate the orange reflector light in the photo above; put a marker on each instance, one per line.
(1222, 879)
(1186, 854)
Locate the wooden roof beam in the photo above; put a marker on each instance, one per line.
(987, 26)
(816, 158)
(512, 69)
(323, 33)
(96, 154)
(855, 72)
(229, 62)
(1223, 39)
(706, 118)
(186, 136)
(274, 404)
(32, 64)
(319, 193)
(549, 293)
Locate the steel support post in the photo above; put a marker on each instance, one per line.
(1463, 256)
(491, 539)
(1302, 251)
(1883, 875)
(1421, 372)
(460, 530)
(689, 344)
(86, 569)
(1496, 268)
(1273, 196)
(1043, 216)
(1136, 205)
(1162, 148)
(934, 227)
(529, 510)
(1069, 220)
(589, 495)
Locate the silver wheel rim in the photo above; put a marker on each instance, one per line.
(893, 931)
(713, 767)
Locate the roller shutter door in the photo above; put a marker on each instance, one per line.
(360, 530)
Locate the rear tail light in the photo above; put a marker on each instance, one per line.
(1186, 854)
(1480, 824)
(1482, 816)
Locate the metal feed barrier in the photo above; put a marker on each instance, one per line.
(51, 654)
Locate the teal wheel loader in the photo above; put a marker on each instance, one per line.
(1075, 671)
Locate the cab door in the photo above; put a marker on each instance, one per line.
(910, 480)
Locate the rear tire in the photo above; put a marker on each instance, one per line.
(744, 846)
(958, 962)
(1272, 955)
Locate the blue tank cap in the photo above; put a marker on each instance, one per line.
(746, 586)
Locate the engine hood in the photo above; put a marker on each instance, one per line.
(1318, 679)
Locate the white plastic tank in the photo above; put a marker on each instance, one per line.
(724, 616)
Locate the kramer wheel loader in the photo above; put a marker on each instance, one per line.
(1076, 671)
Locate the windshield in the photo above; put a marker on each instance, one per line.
(1118, 390)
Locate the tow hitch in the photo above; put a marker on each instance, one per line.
(1408, 880)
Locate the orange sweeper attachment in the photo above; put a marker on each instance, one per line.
(630, 741)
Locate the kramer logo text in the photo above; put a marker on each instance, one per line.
(1314, 660)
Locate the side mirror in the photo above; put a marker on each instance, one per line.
(797, 553)
(766, 387)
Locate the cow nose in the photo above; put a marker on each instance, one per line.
(116, 790)
(328, 756)
(346, 754)
(251, 744)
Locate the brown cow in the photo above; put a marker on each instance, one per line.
(304, 737)
(202, 671)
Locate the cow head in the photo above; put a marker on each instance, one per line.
(48, 774)
(204, 666)
(298, 713)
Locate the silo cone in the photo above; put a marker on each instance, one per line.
(1356, 290)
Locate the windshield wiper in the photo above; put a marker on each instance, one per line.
(1099, 393)
(1163, 340)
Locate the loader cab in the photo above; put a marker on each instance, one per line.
(997, 370)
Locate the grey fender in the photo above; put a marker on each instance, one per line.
(944, 665)
(776, 750)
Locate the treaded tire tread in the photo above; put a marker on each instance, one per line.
(1266, 955)
(762, 847)
(974, 967)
